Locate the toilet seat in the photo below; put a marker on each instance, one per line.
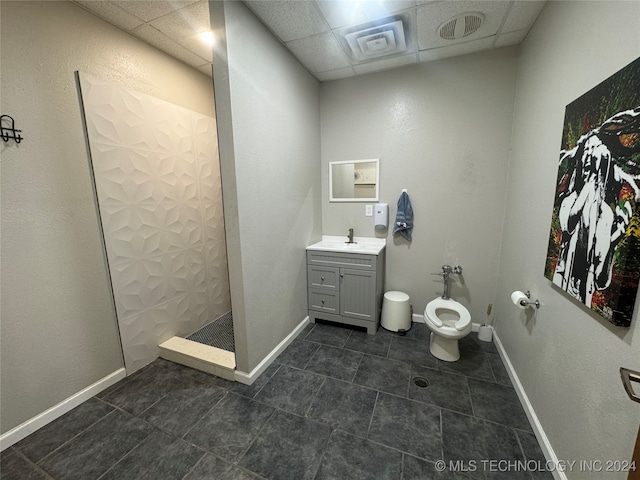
(449, 321)
(434, 317)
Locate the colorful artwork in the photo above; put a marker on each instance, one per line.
(594, 246)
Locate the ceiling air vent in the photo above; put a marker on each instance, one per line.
(377, 41)
(460, 26)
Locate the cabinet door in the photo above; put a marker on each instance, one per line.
(357, 293)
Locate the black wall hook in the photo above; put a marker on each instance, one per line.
(8, 130)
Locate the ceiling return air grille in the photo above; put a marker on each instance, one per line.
(461, 26)
(380, 40)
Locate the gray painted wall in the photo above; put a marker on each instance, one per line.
(566, 357)
(441, 130)
(56, 304)
(269, 134)
(58, 330)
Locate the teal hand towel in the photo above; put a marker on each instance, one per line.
(404, 218)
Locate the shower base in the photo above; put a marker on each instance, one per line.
(218, 333)
(210, 349)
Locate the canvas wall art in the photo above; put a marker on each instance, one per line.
(594, 244)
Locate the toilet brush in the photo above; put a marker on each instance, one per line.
(485, 333)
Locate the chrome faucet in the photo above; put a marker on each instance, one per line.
(446, 271)
(350, 236)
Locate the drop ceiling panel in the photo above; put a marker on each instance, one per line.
(335, 74)
(148, 10)
(195, 45)
(456, 49)
(186, 22)
(158, 39)
(386, 64)
(339, 13)
(112, 13)
(185, 26)
(313, 30)
(522, 15)
(432, 15)
(290, 20)
(319, 53)
(206, 69)
(510, 38)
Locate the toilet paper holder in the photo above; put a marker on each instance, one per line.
(524, 302)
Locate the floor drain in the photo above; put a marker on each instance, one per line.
(421, 382)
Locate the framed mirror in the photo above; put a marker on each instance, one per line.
(354, 180)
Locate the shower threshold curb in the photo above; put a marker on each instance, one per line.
(205, 358)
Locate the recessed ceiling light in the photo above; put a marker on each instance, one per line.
(207, 37)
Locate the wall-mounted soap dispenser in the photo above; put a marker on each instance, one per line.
(381, 216)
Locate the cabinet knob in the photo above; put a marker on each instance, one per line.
(342, 275)
(322, 278)
(323, 302)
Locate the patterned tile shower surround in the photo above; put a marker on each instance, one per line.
(218, 333)
(157, 177)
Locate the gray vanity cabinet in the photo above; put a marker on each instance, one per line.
(345, 288)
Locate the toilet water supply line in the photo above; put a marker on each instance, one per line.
(446, 271)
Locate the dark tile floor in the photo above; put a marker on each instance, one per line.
(337, 404)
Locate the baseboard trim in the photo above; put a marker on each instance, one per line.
(249, 378)
(545, 445)
(25, 429)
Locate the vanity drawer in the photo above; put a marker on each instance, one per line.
(323, 278)
(323, 301)
(351, 260)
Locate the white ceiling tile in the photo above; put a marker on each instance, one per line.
(341, 13)
(290, 20)
(335, 74)
(112, 14)
(206, 69)
(455, 50)
(149, 10)
(161, 41)
(385, 64)
(319, 53)
(306, 32)
(510, 38)
(432, 15)
(185, 26)
(197, 46)
(522, 15)
(186, 22)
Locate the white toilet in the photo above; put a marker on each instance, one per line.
(449, 321)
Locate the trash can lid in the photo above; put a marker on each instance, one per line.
(396, 296)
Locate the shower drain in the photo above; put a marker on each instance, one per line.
(421, 382)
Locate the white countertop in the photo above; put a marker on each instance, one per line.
(367, 245)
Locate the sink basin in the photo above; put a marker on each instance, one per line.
(366, 245)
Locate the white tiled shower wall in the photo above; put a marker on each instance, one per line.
(157, 178)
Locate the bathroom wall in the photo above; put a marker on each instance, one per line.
(58, 329)
(441, 130)
(566, 357)
(269, 134)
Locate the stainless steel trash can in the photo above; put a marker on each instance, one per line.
(396, 312)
